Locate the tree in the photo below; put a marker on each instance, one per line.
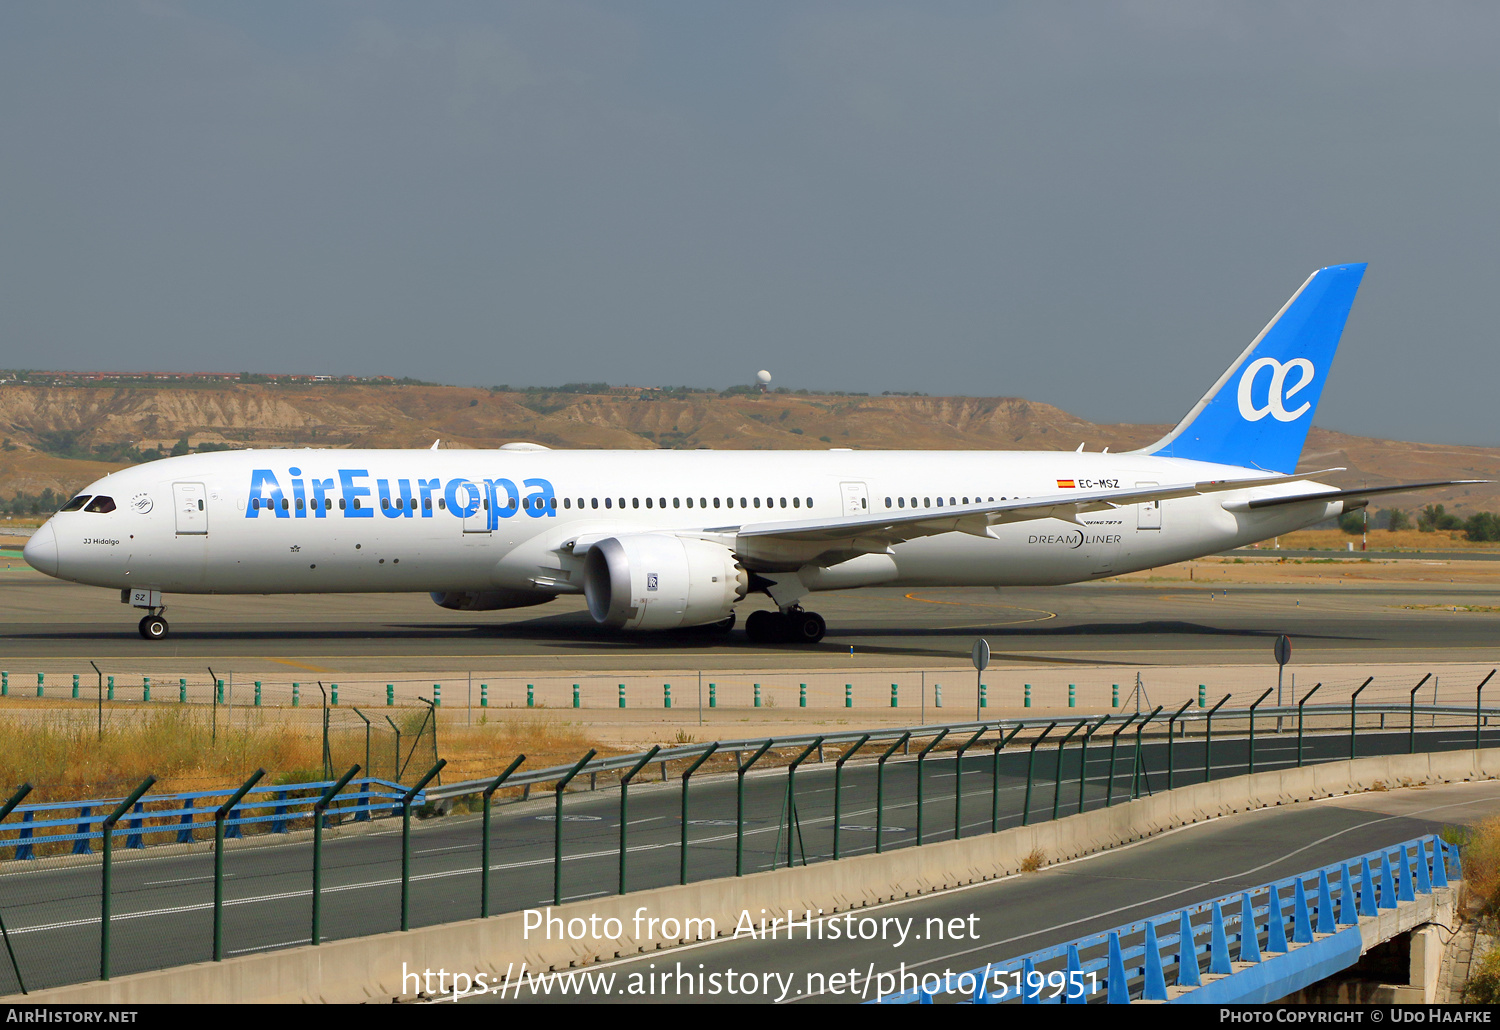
(1394, 519)
(1352, 522)
(1484, 525)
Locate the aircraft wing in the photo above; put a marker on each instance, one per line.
(875, 533)
(1339, 495)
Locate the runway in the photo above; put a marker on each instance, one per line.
(1134, 621)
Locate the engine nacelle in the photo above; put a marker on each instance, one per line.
(656, 581)
(488, 600)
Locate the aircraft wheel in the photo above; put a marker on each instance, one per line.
(807, 627)
(153, 627)
(763, 627)
(724, 625)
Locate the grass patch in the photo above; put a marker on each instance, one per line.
(1034, 861)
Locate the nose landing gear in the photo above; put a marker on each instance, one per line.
(153, 627)
(793, 626)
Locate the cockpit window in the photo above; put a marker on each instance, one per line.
(75, 503)
(101, 504)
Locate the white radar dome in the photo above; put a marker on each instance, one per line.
(763, 376)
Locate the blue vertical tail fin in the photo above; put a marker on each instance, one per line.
(1257, 415)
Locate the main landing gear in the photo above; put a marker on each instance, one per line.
(793, 626)
(153, 627)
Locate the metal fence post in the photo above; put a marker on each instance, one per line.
(793, 824)
(995, 777)
(107, 871)
(5, 810)
(1478, 695)
(1254, 706)
(921, 760)
(1083, 759)
(1208, 740)
(1353, 716)
(319, 808)
(686, 774)
(958, 782)
(838, 789)
(557, 850)
(1171, 737)
(219, 816)
(1057, 773)
(1114, 742)
(1305, 696)
(406, 803)
(1411, 736)
(1030, 769)
(1135, 774)
(625, 804)
(880, 790)
(484, 843)
(739, 808)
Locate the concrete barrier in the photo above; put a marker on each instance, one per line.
(373, 968)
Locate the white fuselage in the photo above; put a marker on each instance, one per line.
(325, 521)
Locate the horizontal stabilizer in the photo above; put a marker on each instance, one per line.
(1363, 492)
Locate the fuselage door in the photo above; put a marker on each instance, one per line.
(478, 519)
(1148, 515)
(856, 498)
(191, 503)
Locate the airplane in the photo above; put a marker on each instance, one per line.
(663, 540)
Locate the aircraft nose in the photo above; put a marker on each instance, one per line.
(41, 550)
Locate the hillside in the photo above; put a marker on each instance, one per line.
(62, 437)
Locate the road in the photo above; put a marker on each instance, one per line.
(955, 931)
(162, 896)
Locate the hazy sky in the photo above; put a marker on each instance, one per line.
(1095, 205)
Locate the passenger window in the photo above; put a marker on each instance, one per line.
(677, 502)
(103, 505)
(609, 502)
(285, 505)
(622, 502)
(887, 502)
(384, 504)
(442, 503)
(716, 502)
(966, 500)
(200, 505)
(702, 502)
(783, 502)
(927, 502)
(661, 502)
(552, 503)
(427, 504)
(796, 502)
(635, 502)
(743, 503)
(341, 504)
(526, 504)
(75, 503)
(952, 501)
(567, 502)
(595, 503)
(757, 502)
(299, 504)
(690, 502)
(901, 502)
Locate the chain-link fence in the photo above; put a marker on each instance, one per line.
(150, 878)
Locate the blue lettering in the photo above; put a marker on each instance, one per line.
(320, 491)
(541, 501)
(300, 495)
(264, 490)
(501, 509)
(352, 493)
(427, 488)
(471, 497)
(401, 508)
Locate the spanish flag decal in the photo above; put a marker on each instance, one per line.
(1066, 484)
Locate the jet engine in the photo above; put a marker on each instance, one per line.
(488, 600)
(657, 581)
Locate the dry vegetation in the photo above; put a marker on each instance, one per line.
(63, 756)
